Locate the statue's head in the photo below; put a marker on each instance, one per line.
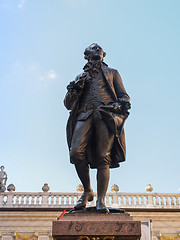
(94, 52)
(2, 168)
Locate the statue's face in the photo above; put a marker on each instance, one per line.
(95, 52)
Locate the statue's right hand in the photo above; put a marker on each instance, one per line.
(79, 84)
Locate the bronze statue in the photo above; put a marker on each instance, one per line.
(3, 179)
(95, 130)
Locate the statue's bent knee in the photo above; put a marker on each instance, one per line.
(76, 156)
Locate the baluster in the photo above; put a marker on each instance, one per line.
(127, 201)
(167, 200)
(23, 202)
(62, 200)
(72, 200)
(50, 200)
(57, 201)
(157, 200)
(137, 201)
(162, 200)
(27, 200)
(15, 200)
(37, 200)
(33, 200)
(20, 200)
(124, 201)
(75, 199)
(143, 201)
(176, 199)
(67, 200)
(172, 201)
(131, 200)
(54, 200)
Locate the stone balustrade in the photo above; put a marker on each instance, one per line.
(67, 200)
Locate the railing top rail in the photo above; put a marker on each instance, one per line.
(40, 193)
(78, 193)
(148, 194)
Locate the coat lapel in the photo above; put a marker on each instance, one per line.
(108, 74)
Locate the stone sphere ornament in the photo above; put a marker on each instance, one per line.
(149, 188)
(79, 188)
(45, 188)
(114, 188)
(11, 188)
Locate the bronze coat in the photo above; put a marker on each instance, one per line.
(114, 121)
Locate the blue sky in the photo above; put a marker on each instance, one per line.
(41, 47)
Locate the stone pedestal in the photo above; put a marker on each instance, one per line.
(94, 226)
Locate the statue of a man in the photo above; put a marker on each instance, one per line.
(3, 179)
(99, 107)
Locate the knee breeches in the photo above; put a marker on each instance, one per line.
(92, 131)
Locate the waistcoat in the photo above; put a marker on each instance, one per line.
(95, 92)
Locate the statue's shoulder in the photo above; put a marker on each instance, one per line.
(109, 69)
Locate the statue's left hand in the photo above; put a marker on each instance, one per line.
(127, 106)
(117, 107)
(121, 106)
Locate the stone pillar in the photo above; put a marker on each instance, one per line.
(9, 200)
(45, 199)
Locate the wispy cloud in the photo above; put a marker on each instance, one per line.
(48, 77)
(13, 4)
(21, 4)
(51, 74)
(45, 77)
(34, 75)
